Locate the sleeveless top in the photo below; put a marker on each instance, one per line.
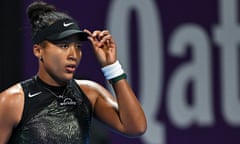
(51, 119)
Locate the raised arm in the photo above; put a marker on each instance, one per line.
(126, 115)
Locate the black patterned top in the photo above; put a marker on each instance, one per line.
(49, 118)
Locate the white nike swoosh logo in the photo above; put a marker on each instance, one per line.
(33, 95)
(67, 24)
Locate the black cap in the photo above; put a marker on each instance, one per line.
(59, 30)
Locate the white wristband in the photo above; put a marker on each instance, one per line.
(113, 70)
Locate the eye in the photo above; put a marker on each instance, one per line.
(63, 45)
(78, 46)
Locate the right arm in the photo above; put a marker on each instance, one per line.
(11, 107)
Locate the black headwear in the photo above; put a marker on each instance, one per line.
(58, 30)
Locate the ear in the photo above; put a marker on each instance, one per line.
(37, 50)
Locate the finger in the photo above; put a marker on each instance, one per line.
(107, 39)
(99, 34)
(87, 31)
(96, 34)
(89, 35)
(93, 37)
(101, 39)
(104, 34)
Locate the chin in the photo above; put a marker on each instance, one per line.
(68, 77)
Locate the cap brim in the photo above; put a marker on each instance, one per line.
(82, 35)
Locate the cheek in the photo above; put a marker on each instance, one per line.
(79, 56)
(54, 60)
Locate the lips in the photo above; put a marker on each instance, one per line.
(71, 68)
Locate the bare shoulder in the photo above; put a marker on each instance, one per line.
(12, 95)
(12, 101)
(89, 84)
(96, 91)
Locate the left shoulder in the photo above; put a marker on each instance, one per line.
(87, 83)
(95, 91)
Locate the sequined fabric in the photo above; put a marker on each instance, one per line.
(53, 125)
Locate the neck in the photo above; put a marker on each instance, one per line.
(51, 80)
(58, 90)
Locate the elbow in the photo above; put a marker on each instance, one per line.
(137, 131)
(135, 134)
(142, 129)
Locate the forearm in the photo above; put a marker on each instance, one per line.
(130, 111)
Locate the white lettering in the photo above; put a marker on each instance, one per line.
(227, 36)
(198, 71)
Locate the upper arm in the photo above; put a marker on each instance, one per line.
(11, 106)
(104, 105)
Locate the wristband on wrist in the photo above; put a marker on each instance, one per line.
(116, 79)
(113, 72)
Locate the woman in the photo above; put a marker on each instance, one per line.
(52, 106)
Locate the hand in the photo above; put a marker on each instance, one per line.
(104, 46)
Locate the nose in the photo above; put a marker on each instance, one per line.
(73, 52)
